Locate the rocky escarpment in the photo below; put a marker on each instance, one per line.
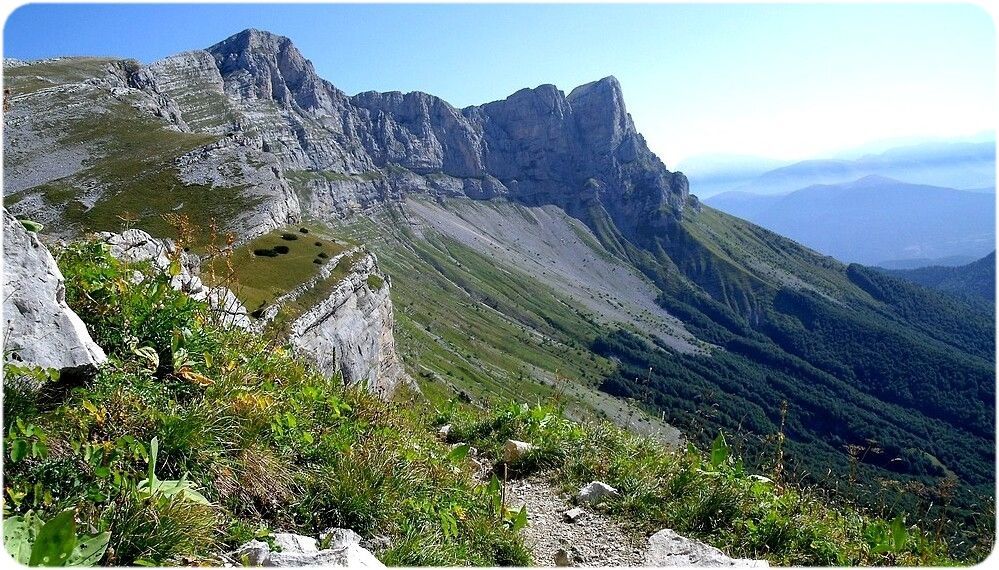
(258, 119)
(350, 331)
(136, 246)
(39, 327)
(344, 153)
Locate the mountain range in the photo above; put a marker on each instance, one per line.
(966, 165)
(976, 279)
(874, 220)
(535, 245)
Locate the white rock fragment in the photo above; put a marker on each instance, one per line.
(514, 450)
(594, 492)
(667, 548)
(344, 550)
(573, 514)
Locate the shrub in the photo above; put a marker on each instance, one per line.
(304, 230)
(289, 236)
(375, 282)
(265, 252)
(281, 249)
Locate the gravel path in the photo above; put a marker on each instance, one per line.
(593, 540)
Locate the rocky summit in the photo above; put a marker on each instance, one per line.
(298, 145)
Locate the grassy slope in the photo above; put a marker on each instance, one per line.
(481, 326)
(269, 443)
(906, 377)
(259, 279)
(468, 324)
(273, 446)
(131, 165)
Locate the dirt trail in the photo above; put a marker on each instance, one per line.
(592, 540)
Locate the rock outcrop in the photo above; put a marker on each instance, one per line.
(39, 327)
(667, 548)
(138, 246)
(344, 550)
(350, 331)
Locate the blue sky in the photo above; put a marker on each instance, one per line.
(788, 81)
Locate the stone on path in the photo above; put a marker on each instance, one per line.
(345, 550)
(667, 548)
(594, 492)
(515, 450)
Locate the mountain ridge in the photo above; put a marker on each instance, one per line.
(770, 321)
(874, 219)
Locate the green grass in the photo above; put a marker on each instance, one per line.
(258, 280)
(465, 323)
(31, 78)
(375, 282)
(272, 445)
(709, 496)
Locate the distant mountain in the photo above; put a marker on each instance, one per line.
(874, 219)
(962, 165)
(920, 262)
(712, 174)
(976, 279)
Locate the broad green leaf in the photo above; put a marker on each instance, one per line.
(459, 452)
(31, 226)
(18, 535)
(520, 521)
(899, 534)
(154, 451)
(181, 489)
(719, 450)
(90, 550)
(149, 354)
(55, 541)
(18, 450)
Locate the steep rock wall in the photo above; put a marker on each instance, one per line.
(350, 332)
(39, 327)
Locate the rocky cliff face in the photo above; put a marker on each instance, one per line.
(350, 332)
(39, 327)
(344, 153)
(256, 117)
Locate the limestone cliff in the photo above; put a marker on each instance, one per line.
(350, 331)
(346, 153)
(39, 327)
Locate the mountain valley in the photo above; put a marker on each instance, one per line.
(533, 248)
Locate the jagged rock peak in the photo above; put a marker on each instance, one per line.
(260, 65)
